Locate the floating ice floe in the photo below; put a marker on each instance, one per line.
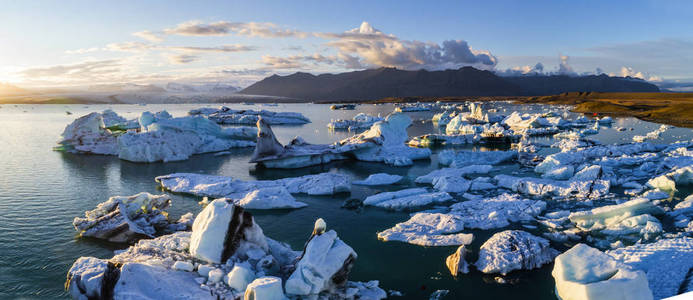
(668, 182)
(657, 133)
(666, 263)
(225, 115)
(258, 194)
(586, 273)
(465, 158)
(429, 229)
(683, 213)
(443, 229)
(383, 142)
(360, 121)
(379, 179)
(438, 174)
(514, 250)
(630, 221)
(406, 199)
(123, 219)
(410, 107)
(151, 137)
(578, 189)
(226, 256)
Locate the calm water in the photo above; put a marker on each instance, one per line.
(41, 191)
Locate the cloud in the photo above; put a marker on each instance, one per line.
(253, 29)
(564, 68)
(298, 61)
(224, 48)
(246, 72)
(129, 47)
(629, 72)
(84, 69)
(537, 69)
(181, 58)
(83, 50)
(367, 46)
(154, 37)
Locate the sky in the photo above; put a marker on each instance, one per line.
(78, 43)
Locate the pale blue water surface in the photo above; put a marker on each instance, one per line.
(41, 191)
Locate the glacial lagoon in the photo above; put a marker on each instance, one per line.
(42, 190)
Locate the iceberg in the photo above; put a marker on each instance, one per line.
(667, 182)
(379, 179)
(497, 212)
(429, 229)
(265, 288)
(325, 264)
(586, 273)
(151, 137)
(383, 142)
(578, 189)
(123, 219)
(456, 263)
(406, 199)
(633, 217)
(465, 158)
(434, 175)
(225, 115)
(360, 121)
(514, 250)
(666, 263)
(227, 187)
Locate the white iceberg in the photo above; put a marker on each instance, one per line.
(666, 262)
(225, 115)
(379, 179)
(456, 263)
(466, 158)
(265, 288)
(586, 273)
(579, 189)
(227, 187)
(429, 229)
(514, 250)
(325, 264)
(151, 137)
(407, 198)
(621, 221)
(360, 121)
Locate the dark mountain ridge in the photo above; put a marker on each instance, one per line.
(379, 83)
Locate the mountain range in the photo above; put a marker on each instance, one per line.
(373, 84)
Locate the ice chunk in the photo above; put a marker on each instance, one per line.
(359, 121)
(379, 179)
(183, 266)
(122, 219)
(580, 189)
(142, 281)
(225, 115)
(514, 250)
(628, 218)
(86, 278)
(269, 198)
(265, 288)
(666, 263)
(668, 182)
(222, 186)
(407, 198)
(429, 229)
(584, 272)
(453, 172)
(223, 219)
(325, 264)
(456, 263)
(239, 277)
(466, 158)
(497, 212)
(560, 173)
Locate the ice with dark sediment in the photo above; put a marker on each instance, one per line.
(124, 219)
(225, 115)
(152, 137)
(383, 142)
(560, 189)
(226, 256)
(511, 250)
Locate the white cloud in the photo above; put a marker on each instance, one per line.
(83, 69)
(181, 58)
(154, 37)
(224, 48)
(253, 29)
(367, 46)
